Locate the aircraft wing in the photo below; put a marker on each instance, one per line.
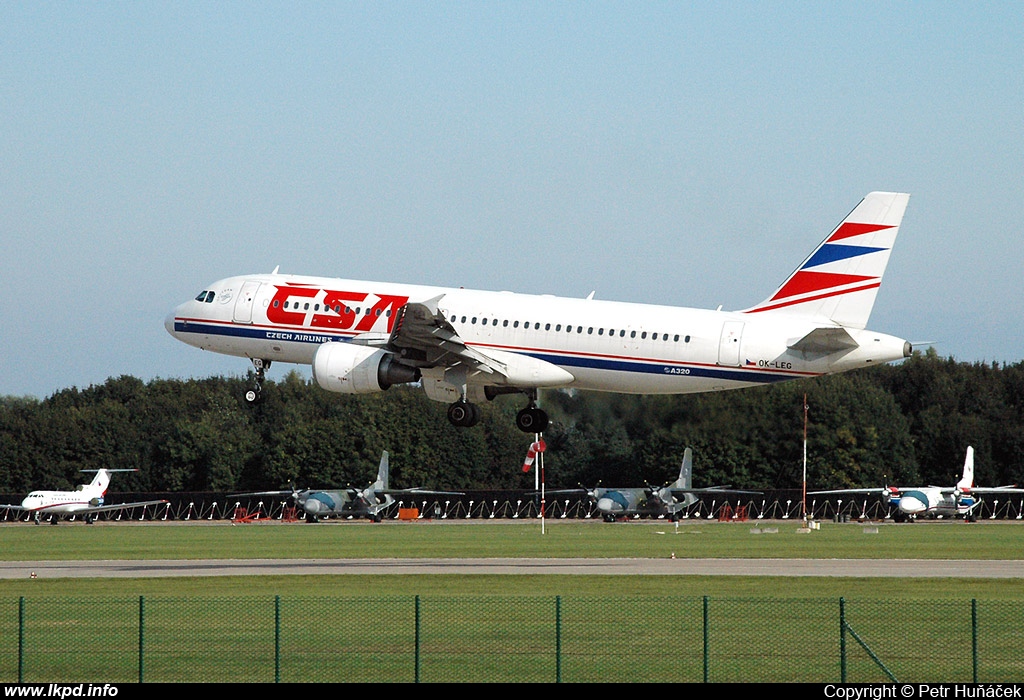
(713, 490)
(992, 489)
(422, 336)
(99, 509)
(120, 506)
(561, 492)
(841, 491)
(420, 492)
(261, 493)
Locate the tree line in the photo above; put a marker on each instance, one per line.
(905, 424)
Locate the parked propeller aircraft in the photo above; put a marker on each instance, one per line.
(465, 346)
(668, 501)
(86, 501)
(370, 502)
(933, 501)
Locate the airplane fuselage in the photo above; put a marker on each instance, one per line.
(61, 502)
(601, 345)
(933, 501)
(618, 503)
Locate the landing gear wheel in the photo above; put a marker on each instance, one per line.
(532, 420)
(256, 393)
(463, 414)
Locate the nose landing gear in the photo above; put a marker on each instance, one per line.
(256, 393)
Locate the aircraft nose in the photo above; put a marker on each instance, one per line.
(606, 505)
(169, 323)
(911, 505)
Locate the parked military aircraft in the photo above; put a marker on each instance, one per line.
(668, 501)
(370, 502)
(933, 501)
(86, 501)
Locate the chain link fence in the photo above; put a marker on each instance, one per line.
(508, 639)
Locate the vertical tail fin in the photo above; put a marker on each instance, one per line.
(967, 480)
(685, 479)
(839, 280)
(382, 472)
(101, 481)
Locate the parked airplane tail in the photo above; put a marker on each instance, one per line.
(839, 280)
(101, 481)
(685, 479)
(382, 473)
(967, 480)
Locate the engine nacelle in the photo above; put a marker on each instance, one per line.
(357, 369)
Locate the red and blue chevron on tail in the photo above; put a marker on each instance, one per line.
(838, 282)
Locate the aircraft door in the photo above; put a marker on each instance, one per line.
(729, 344)
(245, 301)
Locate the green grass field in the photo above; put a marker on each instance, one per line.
(467, 539)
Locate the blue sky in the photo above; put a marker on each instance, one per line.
(672, 153)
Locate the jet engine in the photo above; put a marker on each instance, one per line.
(357, 369)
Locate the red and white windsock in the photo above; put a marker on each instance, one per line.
(531, 454)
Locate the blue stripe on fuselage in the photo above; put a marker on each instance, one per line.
(585, 362)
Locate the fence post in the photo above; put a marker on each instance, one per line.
(416, 644)
(277, 639)
(706, 640)
(21, 639)
(974, 637)
(558, 639)
(142, 647)
(842, 640)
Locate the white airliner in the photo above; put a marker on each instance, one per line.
(912, 502)
(464, 346)
(86, 501)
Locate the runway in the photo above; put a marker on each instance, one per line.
(833, 568)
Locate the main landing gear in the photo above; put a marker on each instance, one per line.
(256, 393)
(531, 419)
(463, 414)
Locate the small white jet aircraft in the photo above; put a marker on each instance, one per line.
(465, 346)
(369, 503)
(86, 501)
(933, 501)
(668, 501)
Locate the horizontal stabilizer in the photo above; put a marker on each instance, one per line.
(824, 341)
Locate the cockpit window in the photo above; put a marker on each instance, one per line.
(206, 296)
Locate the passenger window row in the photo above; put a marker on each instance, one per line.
(569, 328)
(207, 296)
